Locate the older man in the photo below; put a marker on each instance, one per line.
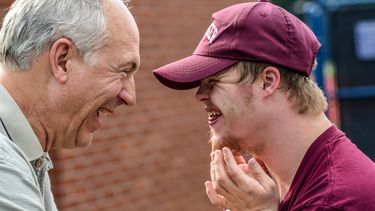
(252, 68)
(64, 63)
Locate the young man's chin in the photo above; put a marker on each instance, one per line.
(220, 143)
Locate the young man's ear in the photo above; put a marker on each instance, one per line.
(271, 79)
(61, 52)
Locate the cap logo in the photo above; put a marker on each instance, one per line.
(211, 32)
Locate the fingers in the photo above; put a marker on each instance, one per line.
(237, 185)
(212, 168)
(256, 170)
(222, 183)
(242, 163)
(245, 169)
(215, 198)
(227, 176)
(259, 174)
(235, 172)
(261, 163)
(239, 159)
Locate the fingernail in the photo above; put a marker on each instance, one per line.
(252, 162)
(212, 155)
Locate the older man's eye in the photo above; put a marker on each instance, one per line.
(125, 71)
(124, 74)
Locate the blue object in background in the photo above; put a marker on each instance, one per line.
(346, 63)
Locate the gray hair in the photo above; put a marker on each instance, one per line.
(31, 26)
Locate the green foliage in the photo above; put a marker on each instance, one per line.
(287, 4)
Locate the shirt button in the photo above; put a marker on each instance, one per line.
(39, 163)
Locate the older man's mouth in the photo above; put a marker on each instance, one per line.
(104, 112)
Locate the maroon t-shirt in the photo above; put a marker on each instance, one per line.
(333, 175)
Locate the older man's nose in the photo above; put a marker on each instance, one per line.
(126, 97)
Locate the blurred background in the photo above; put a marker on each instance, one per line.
(155, 156)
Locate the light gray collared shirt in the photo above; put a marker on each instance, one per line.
(24, 180)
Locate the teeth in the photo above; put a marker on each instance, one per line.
(104, 112)
(213, 113)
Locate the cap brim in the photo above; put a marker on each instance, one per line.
(188, 72)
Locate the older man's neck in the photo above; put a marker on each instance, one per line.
(24, 86)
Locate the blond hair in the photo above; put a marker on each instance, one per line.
(303, 93)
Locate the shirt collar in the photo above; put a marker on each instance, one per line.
(18, 127)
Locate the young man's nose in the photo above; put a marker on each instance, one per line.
(203, 92)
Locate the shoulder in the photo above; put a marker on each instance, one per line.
(334, 176)
(13, 162)
(350, 168)
(12, 155)
(353, 178)
(19, 188)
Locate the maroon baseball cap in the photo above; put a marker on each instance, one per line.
(254, 31)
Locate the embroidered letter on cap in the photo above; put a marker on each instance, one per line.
(211, 32)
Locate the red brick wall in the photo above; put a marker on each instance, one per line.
(153, 156)
(4, 5)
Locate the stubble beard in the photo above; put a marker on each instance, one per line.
(230, 142)
(233, 143)
(247, 150)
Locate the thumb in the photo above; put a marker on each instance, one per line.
(258, 172)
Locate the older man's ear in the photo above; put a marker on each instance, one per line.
(61, 54)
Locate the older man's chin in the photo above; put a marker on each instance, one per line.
(83, 140)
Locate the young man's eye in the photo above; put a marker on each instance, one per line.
(212, 81)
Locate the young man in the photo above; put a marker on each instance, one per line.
(64, 63)
(252, 68)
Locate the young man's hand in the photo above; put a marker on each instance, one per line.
(238, 186)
